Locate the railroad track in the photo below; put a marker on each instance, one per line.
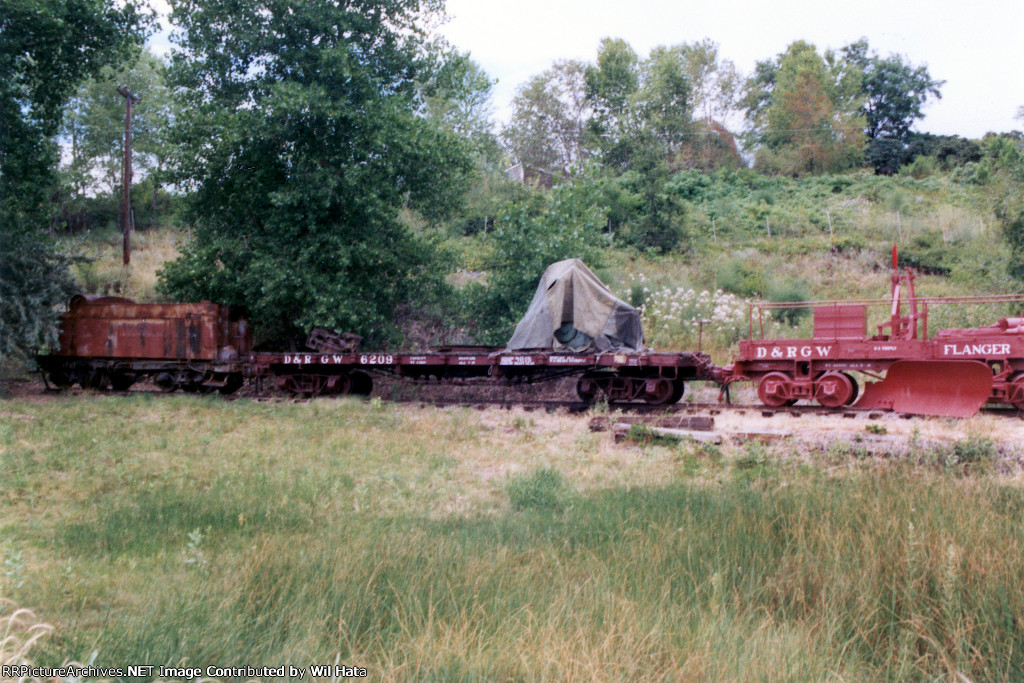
(580, 407)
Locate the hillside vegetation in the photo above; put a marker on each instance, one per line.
(771, 238)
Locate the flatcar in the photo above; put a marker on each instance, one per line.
(113, 342)
(574, 327)
(648, 377)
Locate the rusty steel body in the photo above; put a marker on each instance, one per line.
(113, 340)
(651, 377)
(953, 373)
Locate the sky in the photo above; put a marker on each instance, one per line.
(976, 47)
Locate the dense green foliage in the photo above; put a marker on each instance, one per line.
(318, 145)
(34, 282)
(894, 94)
(457, 95)
(1002, 169)
(894, 91)
(627, 123)
(529, 235)
(47, 48)
(803, 110)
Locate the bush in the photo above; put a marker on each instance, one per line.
(739, 276)
(921, 167)
(789, 290)
(928, 253)
(970, 454)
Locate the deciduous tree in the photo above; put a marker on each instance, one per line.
(894, 93)
(47, 47)
(302, 138)
(715, 84)
(549, 113)
(715, 88)
(457, 95)
(643, 120)
(642, 108)
(802, 109)
(894, 90)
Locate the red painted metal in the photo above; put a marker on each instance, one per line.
(834, 389)
(840, 321)
(937, 376)
(776, 389)
(943, 388)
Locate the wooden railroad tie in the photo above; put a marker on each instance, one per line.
(697, 428)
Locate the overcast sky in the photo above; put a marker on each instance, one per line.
(976, 47)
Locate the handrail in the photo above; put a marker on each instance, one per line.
(762, 306)
(982, 299)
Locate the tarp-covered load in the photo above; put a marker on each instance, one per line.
(574, 310)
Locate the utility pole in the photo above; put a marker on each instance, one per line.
(128, 219)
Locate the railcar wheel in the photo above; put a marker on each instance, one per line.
(774, 390)
(856, 389)
(97, 379)
(658, 392)
(362, 384)
(166, 382)
(588, 389)
(678, 389)
(337, 384)
(834, 389)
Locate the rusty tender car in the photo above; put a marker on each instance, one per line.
(114, 342)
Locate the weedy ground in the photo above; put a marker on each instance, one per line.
(451, 544)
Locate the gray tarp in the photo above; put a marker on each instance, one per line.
(572, 309)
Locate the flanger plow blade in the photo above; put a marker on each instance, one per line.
(940, 388)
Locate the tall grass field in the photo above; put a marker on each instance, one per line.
(457, 545)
